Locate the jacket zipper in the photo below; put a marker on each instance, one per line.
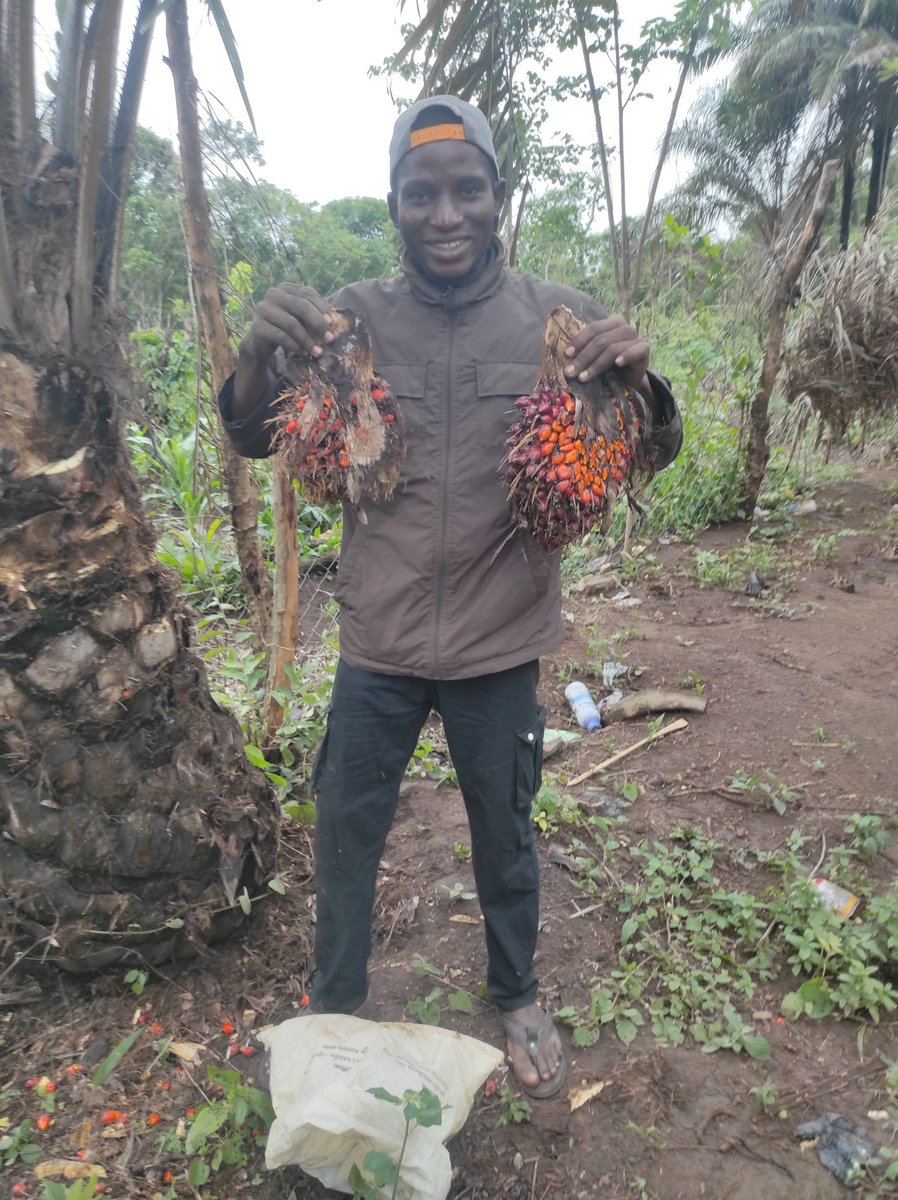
(442, 537)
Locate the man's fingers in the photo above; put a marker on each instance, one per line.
(292, 317)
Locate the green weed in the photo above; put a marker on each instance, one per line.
(513, 1109)
(226, 1130)
(14, 1144)
(419, 1108)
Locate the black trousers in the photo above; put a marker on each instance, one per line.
(494, 728)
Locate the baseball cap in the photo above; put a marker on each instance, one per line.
(471, 126)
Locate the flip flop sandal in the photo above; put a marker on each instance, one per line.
(534, 1038)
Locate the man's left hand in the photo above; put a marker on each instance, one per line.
(608, 345)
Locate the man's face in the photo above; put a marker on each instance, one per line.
(445, 206)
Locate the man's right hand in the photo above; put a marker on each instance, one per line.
(288, 316)
(293, 317)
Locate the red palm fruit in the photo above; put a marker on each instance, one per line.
(338, 429)
(587, 438)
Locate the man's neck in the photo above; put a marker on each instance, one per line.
(488, 257)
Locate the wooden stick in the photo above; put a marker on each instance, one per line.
(673, 727)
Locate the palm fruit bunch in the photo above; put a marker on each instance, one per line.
(338, 429)
(573, 447)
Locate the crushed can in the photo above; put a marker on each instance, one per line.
(837, 899)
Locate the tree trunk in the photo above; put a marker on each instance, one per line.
(102, 96)
(757, 445)
(882, 137)
(625, 294)
(685, 67)
(238, 476)
(847, 198)
(603, 157)
(285, 614)
(130, 816)
(117, 159)
(130, 820)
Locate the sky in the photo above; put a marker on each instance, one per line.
(325, 123)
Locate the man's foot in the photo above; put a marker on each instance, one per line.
(535, 1050)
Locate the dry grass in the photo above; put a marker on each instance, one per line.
(842, 351)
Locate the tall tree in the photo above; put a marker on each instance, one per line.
(830, 59)
(507, 56)
(242, 491)
(131, 821)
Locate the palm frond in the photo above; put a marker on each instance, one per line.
(216, 8)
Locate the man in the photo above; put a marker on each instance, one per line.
(443, 604)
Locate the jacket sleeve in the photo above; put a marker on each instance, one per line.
(666, 437)
(252, 436)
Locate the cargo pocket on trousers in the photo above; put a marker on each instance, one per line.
(529, 764)
(320, 753)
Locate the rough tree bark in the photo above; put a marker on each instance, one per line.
(758, 452)
(242, 492)
(285, 613)
(130, 820)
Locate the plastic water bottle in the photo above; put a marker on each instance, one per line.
(583, 706)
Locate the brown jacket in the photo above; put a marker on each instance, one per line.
(438, 583)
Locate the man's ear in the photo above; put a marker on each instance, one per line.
(499, 189)
(393, 209)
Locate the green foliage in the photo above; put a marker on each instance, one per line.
(553, 807)
(136, 980)
(765, 1095)
(513, 1109)
(383, 1174)
(692, 954)
(226, 1129)
(429, 1009)
(80, 1189)
(765, 787)
(14, 1144)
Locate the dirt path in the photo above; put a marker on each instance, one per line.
(801, 683)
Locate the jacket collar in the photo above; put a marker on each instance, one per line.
(434, 291)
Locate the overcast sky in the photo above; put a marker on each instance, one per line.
(324, 122)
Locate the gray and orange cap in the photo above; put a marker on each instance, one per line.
(470, 125)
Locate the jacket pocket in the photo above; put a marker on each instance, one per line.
(512, 379)
(529, 761)
(405, 379)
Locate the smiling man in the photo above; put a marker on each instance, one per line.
(444, 604)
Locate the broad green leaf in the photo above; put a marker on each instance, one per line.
(584, 1035)
(626, 1030)
(198, 1172)
(255, 756)
(382, 1094)
(756, 1046)
(461, 1002)
(381, 1168)
(423, 1107)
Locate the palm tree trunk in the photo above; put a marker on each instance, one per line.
(685, 67)
(603, 155)
(117, 159)
(130, 819)
(882, 137)
(626, 293)
(102, 94)
(847, 198)
(758, 453)
(238, 477)
(130, 816)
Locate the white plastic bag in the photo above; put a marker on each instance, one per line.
(325, 1118)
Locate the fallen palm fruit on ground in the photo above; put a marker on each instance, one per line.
(574, 446)
(338, 429)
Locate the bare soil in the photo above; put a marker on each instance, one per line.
(671, 1123)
